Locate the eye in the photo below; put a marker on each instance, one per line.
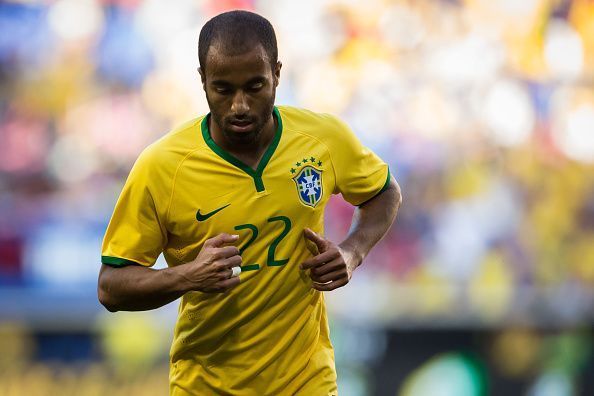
(222, 90)
(256, 87)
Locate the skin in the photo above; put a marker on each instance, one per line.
(334, 264)
(240, 90)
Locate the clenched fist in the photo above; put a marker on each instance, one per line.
(216, 268)
(332, 266)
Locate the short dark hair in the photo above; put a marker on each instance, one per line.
(238, 31)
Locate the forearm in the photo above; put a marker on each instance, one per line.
(136, 288)
(371, 221)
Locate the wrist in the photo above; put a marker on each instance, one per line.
(180, 282)
(354, 255)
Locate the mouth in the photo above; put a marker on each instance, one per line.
(241, 126)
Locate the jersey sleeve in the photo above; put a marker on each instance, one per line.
(360, 173)
(136, 232)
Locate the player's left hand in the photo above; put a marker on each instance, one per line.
(332, 267)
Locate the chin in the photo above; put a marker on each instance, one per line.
(242, 138)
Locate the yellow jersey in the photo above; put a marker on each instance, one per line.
(269, 335)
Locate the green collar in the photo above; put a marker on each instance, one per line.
(255, 174)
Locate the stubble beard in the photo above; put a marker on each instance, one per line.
(244, 139)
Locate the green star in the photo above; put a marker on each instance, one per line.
(319, 163)
(312, 159)
(304, 160)
(293, 170)
(298, 164)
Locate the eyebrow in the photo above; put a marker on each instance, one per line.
(249, 82)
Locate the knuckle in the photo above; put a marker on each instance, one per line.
(221, 276)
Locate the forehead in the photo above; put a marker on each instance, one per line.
(224, 65)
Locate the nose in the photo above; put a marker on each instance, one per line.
(240, 105)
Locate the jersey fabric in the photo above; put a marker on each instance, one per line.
(269, 335)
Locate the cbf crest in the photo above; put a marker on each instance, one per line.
(308, 181)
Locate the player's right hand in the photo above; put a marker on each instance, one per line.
(211, 271)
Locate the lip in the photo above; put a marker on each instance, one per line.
(241, 127)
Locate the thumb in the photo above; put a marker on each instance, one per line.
(320, 242)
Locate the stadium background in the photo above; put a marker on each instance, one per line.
(484, 110)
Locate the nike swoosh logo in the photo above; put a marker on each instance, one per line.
(206, 216)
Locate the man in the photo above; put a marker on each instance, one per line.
(243, 190)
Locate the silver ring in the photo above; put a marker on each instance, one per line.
(235, 271)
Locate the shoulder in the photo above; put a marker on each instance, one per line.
(164, 156)
(322, 126)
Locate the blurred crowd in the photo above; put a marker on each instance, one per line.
(483, 109)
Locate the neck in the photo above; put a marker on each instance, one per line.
(249, 153)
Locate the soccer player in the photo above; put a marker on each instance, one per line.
(235, 201)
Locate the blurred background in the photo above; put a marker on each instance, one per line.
(484, 110)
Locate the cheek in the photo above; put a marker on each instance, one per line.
(217, 103)
(266, 98)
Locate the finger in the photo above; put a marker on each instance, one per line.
(330, 286)
(329, 266)
(226, 251)
(320, 242)
(230, 262)
(221, 240)
(332, 266)
(227, 274)
(320, 259)
(224, 285)
(228, 284)
(331, 276)
(230, 272)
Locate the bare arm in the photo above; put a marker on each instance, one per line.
(333, 266)
(137, 288)
(371, 221)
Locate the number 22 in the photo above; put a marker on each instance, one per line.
(271, 260)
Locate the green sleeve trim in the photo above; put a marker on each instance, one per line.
(255, 174)
(384, 188)
(117, 262)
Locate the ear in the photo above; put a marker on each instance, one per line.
(277, 70)
(202, 78)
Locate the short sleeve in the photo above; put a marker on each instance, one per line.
(135, 234)
(360, 173)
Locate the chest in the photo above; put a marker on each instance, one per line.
(266, 207)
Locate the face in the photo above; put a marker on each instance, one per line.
(240, 90)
